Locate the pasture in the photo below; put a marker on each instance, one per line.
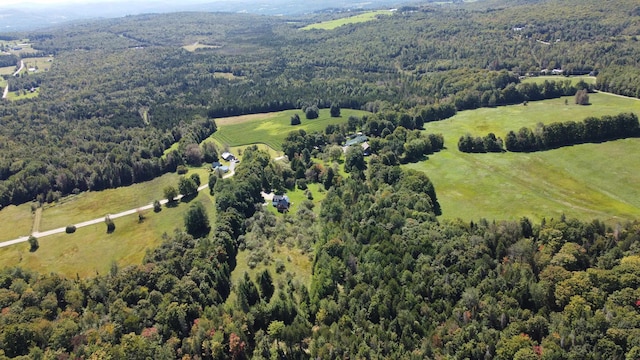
(23, 94)
(195, 46)
(584, 181)
(360, 18)
(574, 79)
(40, 63)
(272, 128)
(15, 221)
(90, 205)
(90, 250)
(9, 70)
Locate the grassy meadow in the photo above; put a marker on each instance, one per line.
(40, 63)
(90, 250)
(15, 221)
(8, 70)
(272, 128)
(584, 181)
(574, 79)
(91, 205)
(360, 18)
(195, 46)
(11, 95)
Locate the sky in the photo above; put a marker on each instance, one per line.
(49, 2)
(6, 3)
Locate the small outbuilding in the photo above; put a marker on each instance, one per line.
(366, 148)
(227, 156)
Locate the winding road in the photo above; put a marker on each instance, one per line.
(6, 88)
(40, 234)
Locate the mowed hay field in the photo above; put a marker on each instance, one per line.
(272, 128)
(584, 181)
(360, 18)
(574, 79)
(91, 205)
(90, 250)
(40, 63)
(7, 70)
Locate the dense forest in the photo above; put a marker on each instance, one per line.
(120, 92)
(389, 278)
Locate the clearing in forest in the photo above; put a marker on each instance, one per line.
(272, 128)
(360, 18)
(584, 181)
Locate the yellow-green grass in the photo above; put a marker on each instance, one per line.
(90, 250)
(574, 79)
(226, 75)
(297, 196)
(295, 262)
(195, 46)
(23, 94)
(8, 70)
(15, 221)
(91, 205)
(238, 151)
(41, 63)
(299, 266)
(584, 181)
(360, 18)
(272, 128)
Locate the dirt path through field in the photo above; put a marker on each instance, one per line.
(20, 69)
(36, 220)
(620, 96)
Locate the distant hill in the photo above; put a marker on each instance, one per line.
(33, 16)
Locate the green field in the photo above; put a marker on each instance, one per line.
(91, 250)
(360, 18)
(15, 221)
(195, 46)
(11, 95)
(91, 205)
(272, 128)
(584, 181)
(574, 79)
(297, 196)
(40, 63)
(7, 70)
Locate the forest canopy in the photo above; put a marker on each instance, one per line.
(140, 91)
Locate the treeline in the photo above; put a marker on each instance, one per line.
(8, 60)
(556, 135)
(489, 143)
(515, 92)
(23, 181)
(622, 80)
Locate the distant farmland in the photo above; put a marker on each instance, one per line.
(332, 24)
